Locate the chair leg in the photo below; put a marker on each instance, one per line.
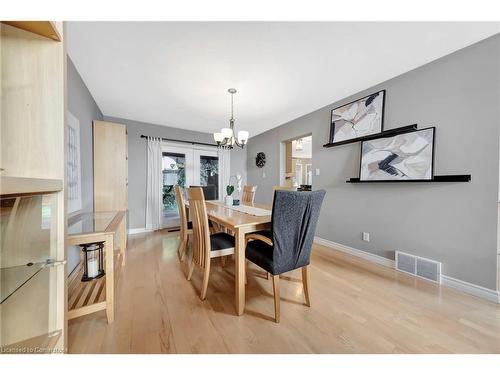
(246, 271)
(267, 275)
(305, 283)
(276, 291)
(182, 249)
(179, 248)
(223, 261)
(206, 275)
(191, 268)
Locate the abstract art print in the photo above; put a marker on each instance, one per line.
(358, 119)
(407, 156)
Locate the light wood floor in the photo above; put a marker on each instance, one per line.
(357, 307)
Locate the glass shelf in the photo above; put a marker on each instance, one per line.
(13, 278)
(90, 222)
(31, 292)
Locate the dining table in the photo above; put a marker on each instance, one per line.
(241, 220)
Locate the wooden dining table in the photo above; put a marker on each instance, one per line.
(240, 224)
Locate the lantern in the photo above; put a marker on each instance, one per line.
(93, 260)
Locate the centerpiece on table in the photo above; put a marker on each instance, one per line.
(228, 200)
(235, 183)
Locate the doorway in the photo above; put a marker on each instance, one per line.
(297, 172)
(186, 166)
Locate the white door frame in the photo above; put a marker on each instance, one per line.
(192, 154)
(172, 221)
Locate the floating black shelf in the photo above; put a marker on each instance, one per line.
(448, 178)
(386, 133)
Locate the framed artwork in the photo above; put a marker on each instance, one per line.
(358, 119)
(407, 156)
(74, 176)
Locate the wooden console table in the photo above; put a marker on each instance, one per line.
(91, 296)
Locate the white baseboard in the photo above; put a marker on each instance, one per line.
(463, 286)
(358, 253)
(138, 230)
(466, 287)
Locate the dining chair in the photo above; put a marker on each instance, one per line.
(287, 246)
(278, 187)
(186, 227)
(248, 194)
(205, 245)
(210, 191)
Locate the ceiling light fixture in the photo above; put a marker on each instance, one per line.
(226, 136)
(299, 146)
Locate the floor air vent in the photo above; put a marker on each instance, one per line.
(421, 267)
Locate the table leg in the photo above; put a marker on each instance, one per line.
(123, 239)
(110, 282)
(239, 270)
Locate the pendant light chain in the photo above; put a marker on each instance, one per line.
(227, 135)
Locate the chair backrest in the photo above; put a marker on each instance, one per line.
(210, 192)
(201, 231)
(179, 197)
(278, 187)
(294, 220)
(248, 194)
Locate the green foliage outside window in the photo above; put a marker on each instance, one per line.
(209, 174)
(169, 202)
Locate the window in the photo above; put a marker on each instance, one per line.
(209, 175)
(174, 173)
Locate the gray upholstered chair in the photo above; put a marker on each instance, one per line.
(287, 246)
(278, 187)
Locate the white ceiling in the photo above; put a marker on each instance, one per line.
(178, 73)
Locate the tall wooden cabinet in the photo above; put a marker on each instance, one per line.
(110, 167)
(32, 188)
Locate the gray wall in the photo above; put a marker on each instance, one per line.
(455, 223)
(137, 161)
(83, 106)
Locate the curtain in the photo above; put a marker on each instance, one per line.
(154, 184)
(224, 169)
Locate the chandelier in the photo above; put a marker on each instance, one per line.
(226, 136)
(298, 145)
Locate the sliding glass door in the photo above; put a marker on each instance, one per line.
(187, 166)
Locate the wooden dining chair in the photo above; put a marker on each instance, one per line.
(205, 245)
(186, 227)
(248, 194)
(287, 246)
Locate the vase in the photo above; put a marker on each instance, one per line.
(228, 201)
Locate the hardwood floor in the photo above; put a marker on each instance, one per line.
(356, 307)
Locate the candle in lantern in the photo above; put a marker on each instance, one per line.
(92, 266)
